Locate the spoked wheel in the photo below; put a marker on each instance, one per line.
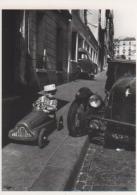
(76, 119)
(42, 138)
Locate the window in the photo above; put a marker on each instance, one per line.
(73, 46)
(41, 58)
(88, 48)
(59, 49)
(80, 42)
(81, 14)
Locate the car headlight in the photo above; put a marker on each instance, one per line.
(95, 101)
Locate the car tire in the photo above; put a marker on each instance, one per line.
(96, 70)
(76, 119)
(42, 138)
(92, 77)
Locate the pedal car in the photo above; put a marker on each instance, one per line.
(114, 116)
(39, 123)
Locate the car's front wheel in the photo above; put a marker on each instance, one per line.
(76, 119)
(42, 138)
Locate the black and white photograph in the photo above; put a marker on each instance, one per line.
(68, 99)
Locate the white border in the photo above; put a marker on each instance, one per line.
(66, 4)
(62, 4)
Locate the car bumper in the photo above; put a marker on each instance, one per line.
(97, 122)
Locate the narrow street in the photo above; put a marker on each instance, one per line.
(38, 168)
(55, 135)
(102, 168)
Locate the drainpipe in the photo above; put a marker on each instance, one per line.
(28, 35)
(76, 54)
(69, 48)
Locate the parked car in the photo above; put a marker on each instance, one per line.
(115, 115)
(85, 68)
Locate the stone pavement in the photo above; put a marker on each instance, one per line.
(53, 168)
(106, 170)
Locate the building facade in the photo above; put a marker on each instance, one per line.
(105, 37)
(81, 38)
(34, 53)
(38, 47)
(125, 47)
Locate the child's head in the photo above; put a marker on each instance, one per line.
(49, 90)
(50, 94)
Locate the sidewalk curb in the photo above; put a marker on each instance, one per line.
(76, 168)
(59, 178)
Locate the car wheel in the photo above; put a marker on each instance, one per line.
(76, 119)
(42, 138)
(92, 77)
(95, 70)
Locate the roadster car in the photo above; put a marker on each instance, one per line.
(115, 115)
(35, 127)
(84, 68)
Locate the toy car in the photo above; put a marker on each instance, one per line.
(115, 116)
(39, 123)
(36, 126)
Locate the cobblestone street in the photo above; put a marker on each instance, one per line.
(106, 170)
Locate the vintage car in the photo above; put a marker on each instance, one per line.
(85, 68)
(114, 116)
(33, 127)
(38, 124)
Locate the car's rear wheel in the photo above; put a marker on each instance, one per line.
(95, 70)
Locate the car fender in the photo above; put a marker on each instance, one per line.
(83, 94)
